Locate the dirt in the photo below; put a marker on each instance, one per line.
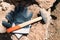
(37, 31)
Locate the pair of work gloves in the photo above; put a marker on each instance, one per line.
(18, 16)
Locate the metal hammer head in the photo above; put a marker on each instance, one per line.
(46, 15)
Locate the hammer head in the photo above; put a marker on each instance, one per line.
(46, 15)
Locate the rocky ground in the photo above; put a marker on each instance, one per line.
(37, 31)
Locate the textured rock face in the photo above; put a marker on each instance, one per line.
(37, 32)
(54, 30)
(5, 8)
(35, 10)
(42, 3)
(45, 3)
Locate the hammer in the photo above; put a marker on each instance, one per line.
(45, 16)
(19, 26)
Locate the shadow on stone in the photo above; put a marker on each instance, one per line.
(54, 5)
(53, 17)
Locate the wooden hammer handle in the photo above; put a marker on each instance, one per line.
(23, 24)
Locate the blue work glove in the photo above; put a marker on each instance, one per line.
(19, 16)
(10, 20)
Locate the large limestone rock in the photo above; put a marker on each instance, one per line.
(45, 3)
